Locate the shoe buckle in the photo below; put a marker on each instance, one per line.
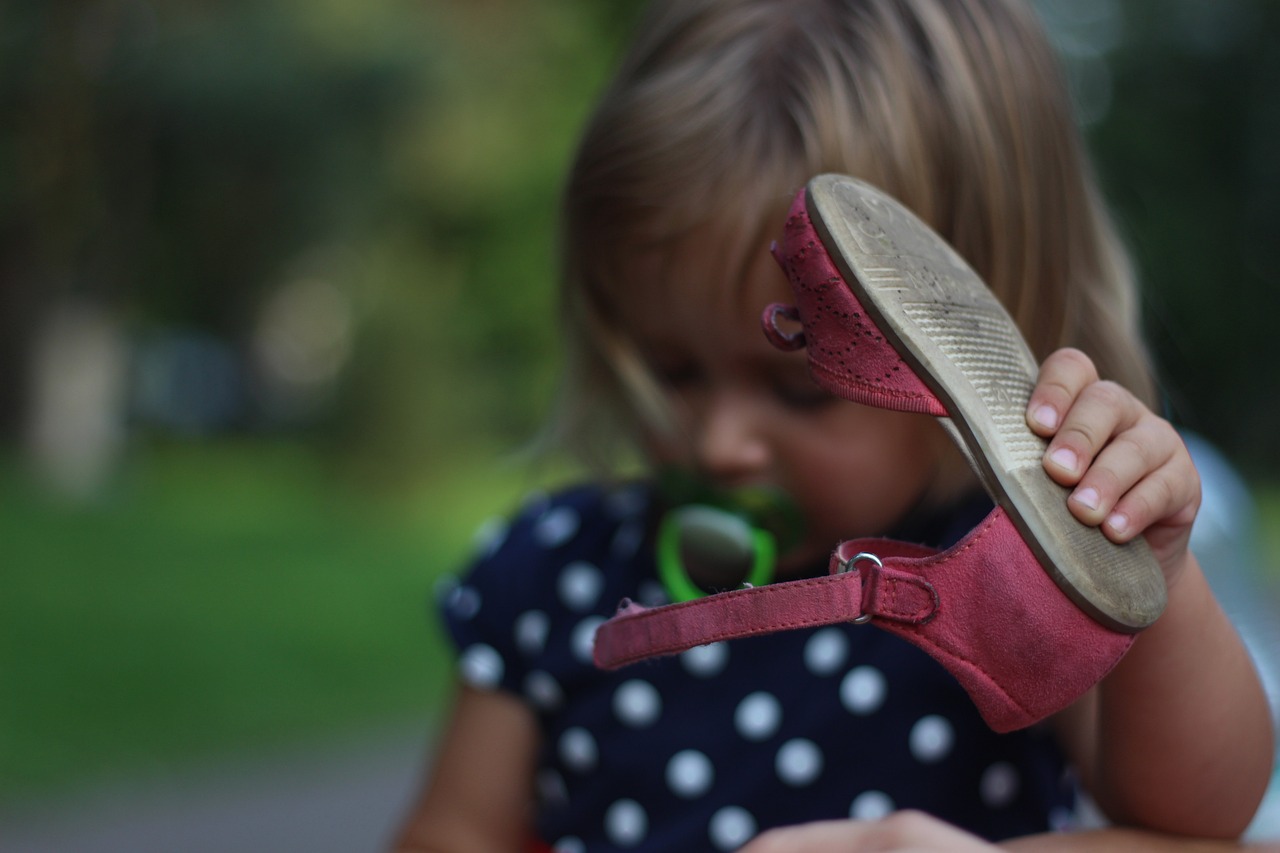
(851, 565)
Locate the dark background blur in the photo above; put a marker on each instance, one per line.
(335, 220)
(276, 289)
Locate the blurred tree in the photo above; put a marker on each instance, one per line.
(191, 164)
(168, 161)
(1187, 152)
(178, 163)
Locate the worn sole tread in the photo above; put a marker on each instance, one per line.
(948, 326)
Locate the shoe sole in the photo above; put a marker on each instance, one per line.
(948, 326)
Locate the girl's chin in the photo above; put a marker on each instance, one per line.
(803, 561)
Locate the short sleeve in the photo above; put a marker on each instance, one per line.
(530, 575)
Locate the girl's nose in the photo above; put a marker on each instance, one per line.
(730, 442)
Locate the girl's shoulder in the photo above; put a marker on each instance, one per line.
(560, 563)
(580, 521)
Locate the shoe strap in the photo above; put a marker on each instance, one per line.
(983, 608)
(856, 590)
(857, 363)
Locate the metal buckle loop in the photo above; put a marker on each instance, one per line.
(850, 565)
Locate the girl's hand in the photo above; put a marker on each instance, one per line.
(901, 831)
(917, 832)
(1129, 470)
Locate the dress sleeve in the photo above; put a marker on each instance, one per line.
(479, 607)
(530, 580)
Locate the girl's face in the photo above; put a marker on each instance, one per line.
(749, 415)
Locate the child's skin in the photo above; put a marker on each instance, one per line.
(915, 831)
(1177, 738)
(1153, 749)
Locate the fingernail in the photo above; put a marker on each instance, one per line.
(1118, 522)
(1086, 497)
(1064, 457)
(1046, 416)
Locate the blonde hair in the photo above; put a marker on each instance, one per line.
(723, 109)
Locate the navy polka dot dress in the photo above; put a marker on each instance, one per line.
(706, 749)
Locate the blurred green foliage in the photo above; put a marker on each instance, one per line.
(179, 162)
(1187, 154)
(226, 598)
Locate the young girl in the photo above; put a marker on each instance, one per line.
(719, 113)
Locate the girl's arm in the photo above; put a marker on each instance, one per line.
(1178, 737)
(479, 794)
(917, 832)
(1184, 735)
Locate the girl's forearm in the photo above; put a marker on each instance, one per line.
(1128, 841)
(1184, 741)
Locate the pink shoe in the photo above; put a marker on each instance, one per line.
(1031, 608)
(862, 266)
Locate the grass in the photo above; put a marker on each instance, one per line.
(225, 597)
(233, 596)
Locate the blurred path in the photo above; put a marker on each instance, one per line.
(338, 799)
(344, 799)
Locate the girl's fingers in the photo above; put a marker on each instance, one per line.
(1128, 470)
(1136, 480)
(1157, 500)
(902, 831)
(1098, 414)
(1143, 476)
(1063, 375)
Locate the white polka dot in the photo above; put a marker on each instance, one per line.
(825, 651)
(627, 540)
(543, 690)
(690, 774)
(652, 594)
(799, 762)
(862, 690)
(556, 527)
(463, 602)
(931, 738)
(626, 823)
(637, 703)
(551, 788)
(569, 844)
(577, 749)
(579, 585)
(871, 805)
(999, 785)
(531, 631)
(758, 716)
(705, 661)
(489, 536)
(731, 827)
(583, 639)
(481, 665)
